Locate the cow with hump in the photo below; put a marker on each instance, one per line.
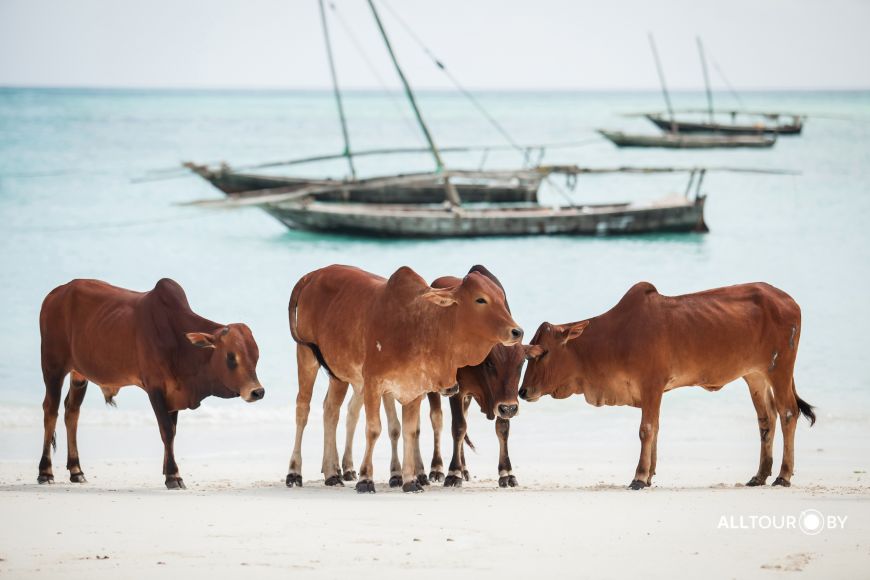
(492, 384)
(115, 337)
(649, 344)
(397, 337)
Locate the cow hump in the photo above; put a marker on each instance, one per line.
(170, 293)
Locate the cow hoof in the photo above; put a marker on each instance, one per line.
(334, 480)
(349, 475)
(465, 475)
(782, 482)
(422, 479)
(45, 478)
(452, 481)
(412, 487)
(507, 481)
(293, 479)
(365, 486)
(755, 481)
(637, 484)
(78, 478)
(395, 480)
(436, 476)
(175, 483)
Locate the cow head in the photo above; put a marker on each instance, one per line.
(232, 361)
(482, 316)
(550, 363)
(495, 381)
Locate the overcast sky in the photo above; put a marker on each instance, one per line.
(488, 44)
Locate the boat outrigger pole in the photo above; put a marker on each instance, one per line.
(450, 189)
(706, 78)
(337, 92)
(655, 52)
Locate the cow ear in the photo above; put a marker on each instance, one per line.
(575, 330)
(440, 296)
(533, 351)
(201, 339)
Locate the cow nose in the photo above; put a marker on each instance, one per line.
(523, 393)
(507, 411)
(517, 332)
(258, 394)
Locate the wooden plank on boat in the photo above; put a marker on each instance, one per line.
(688, 141)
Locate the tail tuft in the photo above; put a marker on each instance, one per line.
(54, 441)
(110, 402)
(470, 444)
(806, 410)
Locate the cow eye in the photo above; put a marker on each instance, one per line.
(489, 365)
(481, 300)
(232, 363)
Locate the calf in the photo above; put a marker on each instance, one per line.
(649, 344)
(397, 337)
(115, 337)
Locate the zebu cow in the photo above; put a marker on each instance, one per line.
(493, 385)
(397, 337)
(649, 344)
(115, 337)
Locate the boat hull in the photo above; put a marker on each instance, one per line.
(689, 141)
(725, 128)
(437, 222)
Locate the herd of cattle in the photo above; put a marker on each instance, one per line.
(400, 340)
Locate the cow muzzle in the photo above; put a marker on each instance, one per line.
(254, 394)
(515, 336)
(525, 395)
(450, 391)
(507, 411)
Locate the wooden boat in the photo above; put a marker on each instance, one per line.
(794, 127)
(519, 186)
(688, 141)
(677, 214)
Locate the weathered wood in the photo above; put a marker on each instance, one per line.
(672, 215)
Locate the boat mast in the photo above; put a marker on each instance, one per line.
(337, 93)
(706, 78)
(452, 194)
(652, 44)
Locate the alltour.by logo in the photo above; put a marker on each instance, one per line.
(809, 521)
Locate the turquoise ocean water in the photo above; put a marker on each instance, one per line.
(70, 207)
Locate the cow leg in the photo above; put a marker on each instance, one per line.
(465, 475)
(167, 421)
(394, 429)
(331, 409)
(787, 407)
(51, 403)
(410, 435)
(72, 404)
(436, 417)
(505, 476)
(649, 431)
(372, 401)
(458, 427)
(353, 409)
(762, 398)
(307, 366)
(419, 466)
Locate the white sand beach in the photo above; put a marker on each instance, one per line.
(570, 517)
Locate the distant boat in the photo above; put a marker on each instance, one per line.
(689, 140)
(792, 126)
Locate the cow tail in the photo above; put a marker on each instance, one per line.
(294, 302)
(469, 443)
(805, 408)
(54, 441)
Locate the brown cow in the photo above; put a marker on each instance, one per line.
(396, 337)
(649, 344)
(493, 384)
(115, 337)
